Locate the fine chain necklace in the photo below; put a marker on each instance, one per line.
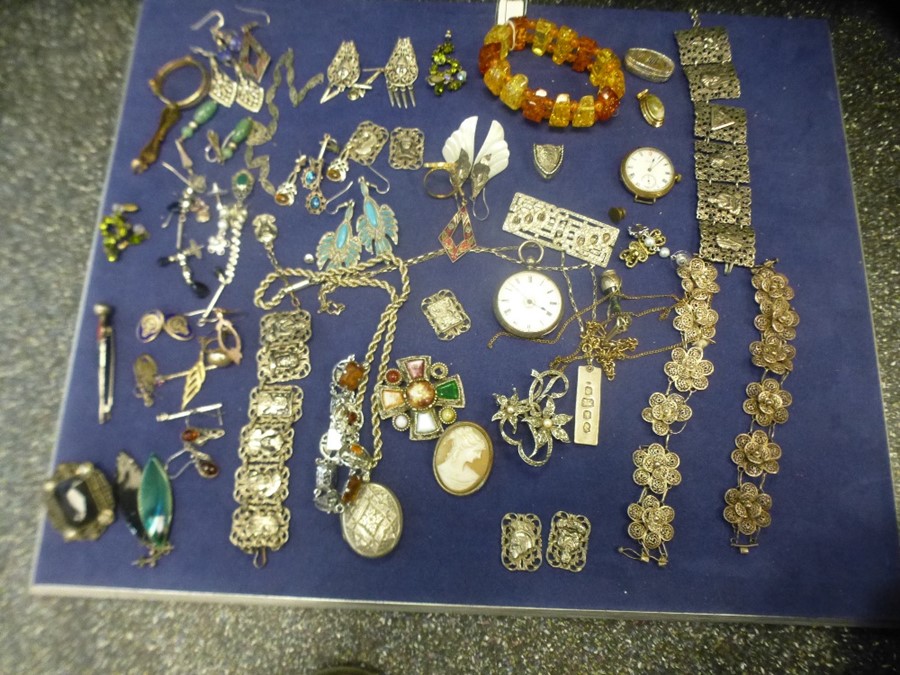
(261, 134)
(599, 341)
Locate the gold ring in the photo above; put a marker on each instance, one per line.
(450, 168)
(158, 80)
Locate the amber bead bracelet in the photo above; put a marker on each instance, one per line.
(563, 45)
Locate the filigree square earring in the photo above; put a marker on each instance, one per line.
(520, 542)
(567, 543)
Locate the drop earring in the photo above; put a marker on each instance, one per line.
(237, 49)
(287, 191)
(312, 177)
(400, 73)
(492, 158)
(377, 225)
(222, 89)
(340, 248)
(192, 439)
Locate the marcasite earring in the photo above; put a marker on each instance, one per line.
(401, 72)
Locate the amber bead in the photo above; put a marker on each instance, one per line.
(605, 62)
(617, 83)
(613, 79)
(583, 114)
(606, 105)
(524, 31)
(513, 93)
(536, 106)
(561, 114)
(544, 32)
(207, 468)
(497, 76)
(564, 45)
(352, 376)
(190, 435)
(501, 34)
(488, 56)
(354, 483)
(585, 50)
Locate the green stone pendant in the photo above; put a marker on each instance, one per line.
(156, 507)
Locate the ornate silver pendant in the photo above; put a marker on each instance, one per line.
(407, 148)
(401, 72)
(373, 522)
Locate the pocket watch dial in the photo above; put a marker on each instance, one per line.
(528, 304)
(648, 172)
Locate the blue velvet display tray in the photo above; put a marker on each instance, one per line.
(831, 553)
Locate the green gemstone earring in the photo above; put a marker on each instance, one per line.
(204, 113)
(221, 151)
(445, 72)
(145, 498)
(117, 233)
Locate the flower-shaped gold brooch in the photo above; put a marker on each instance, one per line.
(664, 411)
(657, 468)
(756, 454)
(767, 402)
(747, 508)
(651, 522)
(688, 369)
